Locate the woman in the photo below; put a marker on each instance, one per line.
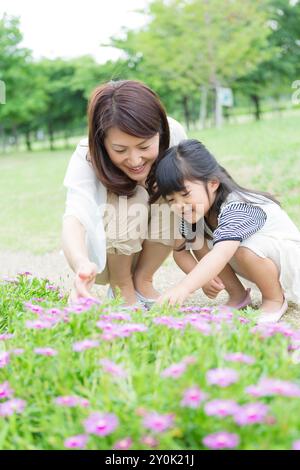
(128, 131)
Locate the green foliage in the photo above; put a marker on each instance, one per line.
(144, 355)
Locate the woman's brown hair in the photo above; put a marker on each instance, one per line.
(135, 109)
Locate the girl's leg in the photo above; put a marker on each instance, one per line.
(151, 258)
(264, 273)
(233, 285)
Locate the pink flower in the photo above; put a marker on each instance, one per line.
(80, 308)
(221, 440)
(222, 377)
(202, 326)
(149, 441)
(71, 401)
(239, 357)
(120, 316)
(175, 370)
(34, 308)
(85, 344)
(112, 368)
(4, 359)
(123, 444)
(221, 408)
(128, 328)
(158, 422)
(76, 442)
(244, 320)
(54, 311)
(25, 273)
(189, 360)
(38, 324)
(51, 287)
(101, 424)
(17, 352)
(120, 331)
(5, 390)
(6, 336)
(271, 329)
(171, 322)
(192, 397)
(268, 387)
(15, 405)
(45, 351)
(296, 445)
(251, 413)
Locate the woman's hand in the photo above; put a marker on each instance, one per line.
(84, 279)
(174, 296)
(212, 288)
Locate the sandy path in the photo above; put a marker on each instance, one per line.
(54, 267)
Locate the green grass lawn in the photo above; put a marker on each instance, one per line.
(263, 155)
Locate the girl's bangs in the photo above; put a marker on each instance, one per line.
(169, 176)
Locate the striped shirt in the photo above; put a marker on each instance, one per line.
(236, 221)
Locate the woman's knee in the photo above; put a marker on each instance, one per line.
(201, 252)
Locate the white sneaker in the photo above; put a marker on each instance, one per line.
(146, 301)
(110, 295)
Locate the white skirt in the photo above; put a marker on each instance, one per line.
(284, 253)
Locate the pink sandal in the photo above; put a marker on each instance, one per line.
(247, 300)
(275, 316)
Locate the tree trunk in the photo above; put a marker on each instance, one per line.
(28, 141)
(257, 111)
(186, 112)
(51, 136)
(203, 106)
(218, 108)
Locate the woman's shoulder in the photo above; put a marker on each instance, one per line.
(177, 131)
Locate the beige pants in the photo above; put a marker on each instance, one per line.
(127, 228)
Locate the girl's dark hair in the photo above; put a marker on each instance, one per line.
(133, 108)
(190, 160)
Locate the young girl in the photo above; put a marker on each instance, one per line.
(239, 230)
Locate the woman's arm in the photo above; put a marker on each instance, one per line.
(73, 242)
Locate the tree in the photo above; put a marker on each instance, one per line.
(275, 75)
(24, 92)
(188, 43)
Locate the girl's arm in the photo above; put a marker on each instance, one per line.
(206, 269)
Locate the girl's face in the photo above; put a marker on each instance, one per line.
(133, 155)
(196, 201)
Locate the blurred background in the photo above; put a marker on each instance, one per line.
(228, 70)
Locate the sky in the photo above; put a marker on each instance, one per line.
(65, 28)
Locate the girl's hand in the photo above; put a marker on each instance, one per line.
(174, 296)
(212, 288)
(84, 279)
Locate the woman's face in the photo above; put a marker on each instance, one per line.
(195, 202)
(133, 155)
